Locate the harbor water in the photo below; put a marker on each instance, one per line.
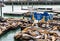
(9, 35)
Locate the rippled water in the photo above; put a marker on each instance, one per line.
(9, 36)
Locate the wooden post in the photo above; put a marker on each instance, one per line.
(46, 4)
(32, 4)
(12, 7)
(21, 5)
(1, 11)
(27, 2)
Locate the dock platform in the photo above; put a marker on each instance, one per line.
(21, 13)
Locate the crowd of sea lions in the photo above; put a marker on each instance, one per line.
(36, 35)
(12, 23)
(30, 31)
(40, 32)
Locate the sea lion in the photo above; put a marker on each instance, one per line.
(0, 31)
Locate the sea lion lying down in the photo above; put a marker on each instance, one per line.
(24, 36)
(2, 29)
(28, 34)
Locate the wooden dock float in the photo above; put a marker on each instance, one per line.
(12, 24)
(14, 13)
(21, 13)
(5, 26)
(24, 35)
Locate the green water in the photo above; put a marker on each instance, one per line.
(13, 16)
(9, 36)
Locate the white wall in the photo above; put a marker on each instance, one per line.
(8, 8)
(17, 8)
(55, 7)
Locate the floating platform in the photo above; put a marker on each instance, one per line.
(56, 18)
(57, 11)
(32, 34)
(14, 13)
(12, 24)
(21, 13)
